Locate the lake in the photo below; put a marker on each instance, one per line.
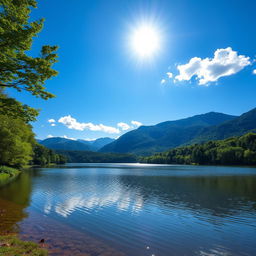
(134, 209)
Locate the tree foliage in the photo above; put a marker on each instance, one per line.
(237, 150)
(97, 157)
(16, 142)
(18, 69)
(15, 109)
(44, 156)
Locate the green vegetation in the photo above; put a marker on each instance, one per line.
(23, 72)
(44, 156)
(147, 140)
(233, 151)
(10, 245)
(16, 142)
(18, 69)
(7, 174)
(96, 157)
(236, 127)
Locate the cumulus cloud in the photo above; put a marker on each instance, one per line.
(51, 121)
(163, 81)
(169, 74)
(254, 71)
(123, 126)
(72, 123)
(136, 123)
(53, 124)
(49, 136)
(225, 62)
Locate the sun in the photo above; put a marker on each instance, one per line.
(145, 40)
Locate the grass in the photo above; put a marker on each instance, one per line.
(12, 246)
(7, 174)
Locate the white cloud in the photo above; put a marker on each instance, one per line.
(254, 71)
(66, 137)
(136, 123)
(72, 123)
(49, 136)
(169, 74)
(225, 62)
(53, 124)
(163, 81)
(51, 121)
(123, 126)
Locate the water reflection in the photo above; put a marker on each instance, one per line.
(178, 210)
(15, 197)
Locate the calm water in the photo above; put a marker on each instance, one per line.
(134, 210)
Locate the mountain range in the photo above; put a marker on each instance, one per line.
(59, 143)
(200, 128)
(147, 140)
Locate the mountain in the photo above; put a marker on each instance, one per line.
(235, 127)
(64, 144)
(101, 142)
(58, 143)
(97, 144)
(150, 139)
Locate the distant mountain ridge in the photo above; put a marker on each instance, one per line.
(147, 140)
(59, 143)
(235, 127)
(150, 139)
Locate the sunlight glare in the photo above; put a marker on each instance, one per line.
(145, 40)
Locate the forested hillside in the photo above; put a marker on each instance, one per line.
(232, 151)
(235, 127)
(150, 139)
(96, 157)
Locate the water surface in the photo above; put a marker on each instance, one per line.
(131, 209)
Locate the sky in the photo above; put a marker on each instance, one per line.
(202, 59)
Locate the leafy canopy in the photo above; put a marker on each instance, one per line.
(16, 142)
(18, 69)
(235, 150)
(15, 109)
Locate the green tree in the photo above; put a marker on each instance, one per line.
(13, 108)
(18, 69)
(16, 141)
(249, 157)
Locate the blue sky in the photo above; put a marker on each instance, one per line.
(102, 82)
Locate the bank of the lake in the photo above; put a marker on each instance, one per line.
(7, 174)
(11, 245)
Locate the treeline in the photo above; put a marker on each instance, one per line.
(233, 151)
(18, 147)
(96, 157)
(43, 156)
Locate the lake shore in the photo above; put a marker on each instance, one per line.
(7, 175)
(11, 245)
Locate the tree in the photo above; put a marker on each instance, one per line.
(18, 69)
(13, 108)
(16, 142)
(44, 156)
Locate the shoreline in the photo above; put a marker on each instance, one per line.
(12, 245)
(7, 175)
